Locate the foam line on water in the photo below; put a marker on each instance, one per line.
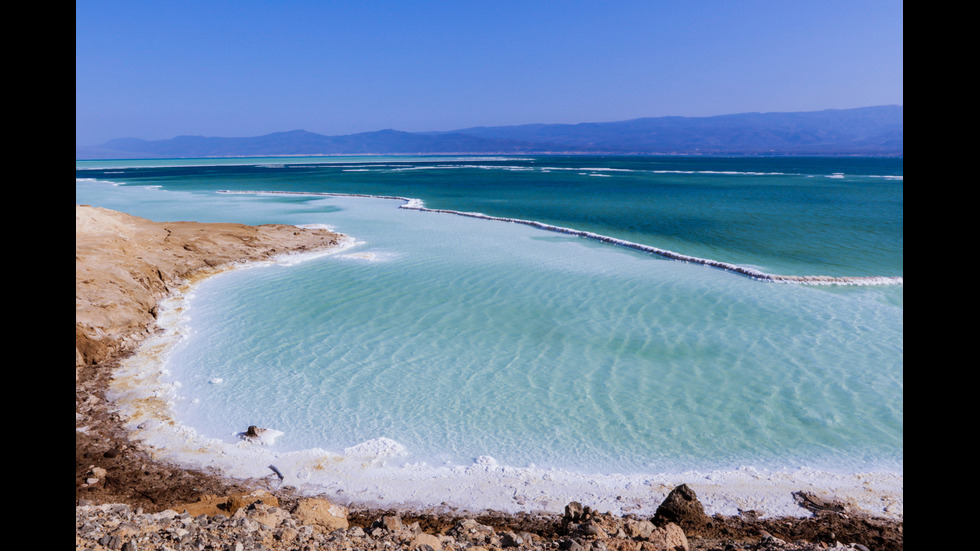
(417, 204)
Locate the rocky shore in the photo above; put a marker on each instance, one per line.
(127, 500)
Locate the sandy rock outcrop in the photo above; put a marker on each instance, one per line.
(227, 505)
(125, 264)
(322, 514)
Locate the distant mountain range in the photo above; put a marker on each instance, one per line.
(862, 131)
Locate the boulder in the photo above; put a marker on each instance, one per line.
(321, 514)
(638, 529)
(681, 507)
(511, 539)
(425, 542)
(575, 512)
(669, 537)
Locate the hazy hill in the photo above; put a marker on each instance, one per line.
(861, 131)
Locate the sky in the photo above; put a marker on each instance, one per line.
(159, 69)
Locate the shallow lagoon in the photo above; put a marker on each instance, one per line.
(441, 344)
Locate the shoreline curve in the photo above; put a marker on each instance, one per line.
(117, 473)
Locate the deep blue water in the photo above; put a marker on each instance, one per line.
(788, 215)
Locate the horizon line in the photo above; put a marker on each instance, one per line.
(390, 129)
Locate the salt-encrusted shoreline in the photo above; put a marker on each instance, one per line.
(126, 265)
(416, 204)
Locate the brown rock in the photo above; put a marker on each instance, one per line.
(682, 508)
(574, 511)
(638, 529)
(425, 542)
(669, 537)
(321, 514)
(391, 523)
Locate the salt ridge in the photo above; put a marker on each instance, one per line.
(417, 204)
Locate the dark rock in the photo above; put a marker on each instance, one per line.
(510, 539)
(815, 503)
(112, 542)
(574, 511)
(682, 508)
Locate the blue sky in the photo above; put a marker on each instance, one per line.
(159, 69)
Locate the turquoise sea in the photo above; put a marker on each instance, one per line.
(481, 363)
